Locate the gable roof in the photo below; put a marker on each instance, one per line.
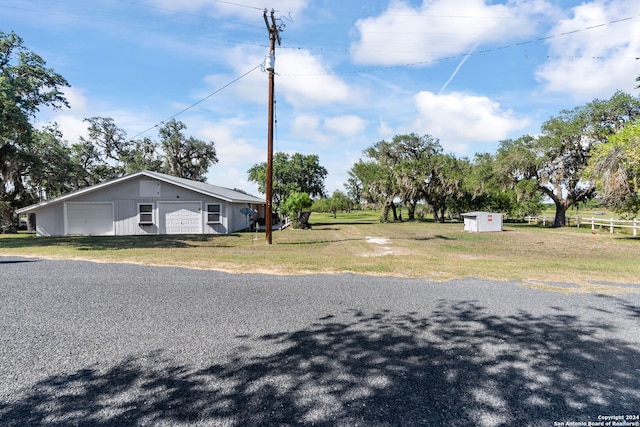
(222, 193)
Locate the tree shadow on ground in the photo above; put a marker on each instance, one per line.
(457, 367)
(337, 223)
(17, 261)
(97, 243)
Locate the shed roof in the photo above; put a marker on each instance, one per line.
(222, 193)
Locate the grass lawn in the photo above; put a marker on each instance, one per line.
(358, 243)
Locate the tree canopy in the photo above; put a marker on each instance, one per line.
(556, 160)
(297, 173)
(26, 85)
(615, 170)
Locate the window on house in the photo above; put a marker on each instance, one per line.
(145, 213)
(213, 214)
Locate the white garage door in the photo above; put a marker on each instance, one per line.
(180, 218)
(91, 219)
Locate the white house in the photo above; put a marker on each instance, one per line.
(146, 203)
(482, 221)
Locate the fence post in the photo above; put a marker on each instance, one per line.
(635, 227)
(577, 222)
(611, 225)
(593, 223)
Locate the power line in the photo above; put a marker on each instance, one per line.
(187, 13)
(68, 15)
(238, 4)
(481, 52)
(200, 101)
(122, 23)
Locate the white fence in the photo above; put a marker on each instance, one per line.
(611, 223)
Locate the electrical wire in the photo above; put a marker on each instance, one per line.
(164, 9)
(78, 17)
(481, 52)
(238, 4)
(200, 101)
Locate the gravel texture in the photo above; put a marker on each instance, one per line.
(98, 344)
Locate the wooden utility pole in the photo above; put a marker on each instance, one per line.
(274, 35)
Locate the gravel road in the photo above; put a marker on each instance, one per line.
(85, 343)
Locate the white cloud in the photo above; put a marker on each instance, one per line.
(441, 28)
(301, 79)
(460, 120)
(348, 125)
(307, 82)
(69, 120)
(305, 124)
(346, 130)
(230, 148)
(594, 62)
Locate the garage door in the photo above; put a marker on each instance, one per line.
(91, 219)
(180, 218)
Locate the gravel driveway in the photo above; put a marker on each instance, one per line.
(86, 343)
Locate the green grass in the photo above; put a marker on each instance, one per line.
(334, 245)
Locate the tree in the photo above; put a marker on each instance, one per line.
(104, 133)
(188, 158)
(337, 202)
(294, 206)
(615, 170)
(378, 186)
(557, 159)
(414, 168)
(52, 161)
(487, 186)
(410, 160)
(175, 155)
(26, 85)
(296, 173)
(89, 167)
(354, 188)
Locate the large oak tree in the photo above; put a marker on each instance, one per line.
(26, 85)
(557, 159)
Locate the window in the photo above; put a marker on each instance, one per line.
(145, 213)
(213, 214)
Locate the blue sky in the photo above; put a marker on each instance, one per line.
(349, 73)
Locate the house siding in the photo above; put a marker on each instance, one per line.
(50, 221)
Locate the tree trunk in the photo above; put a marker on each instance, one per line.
(395, 211)
(31, 222)
(384, 215)
(8, 224)
(411, 211)
(436, 217)
(442, 212)
(560, 219)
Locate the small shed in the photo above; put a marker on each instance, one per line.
(478, 222)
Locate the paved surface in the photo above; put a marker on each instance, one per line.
(111, 344)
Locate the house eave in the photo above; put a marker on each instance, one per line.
(148, 174)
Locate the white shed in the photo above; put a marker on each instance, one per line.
(478, 222)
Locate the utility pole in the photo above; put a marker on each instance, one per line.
(274, 35)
